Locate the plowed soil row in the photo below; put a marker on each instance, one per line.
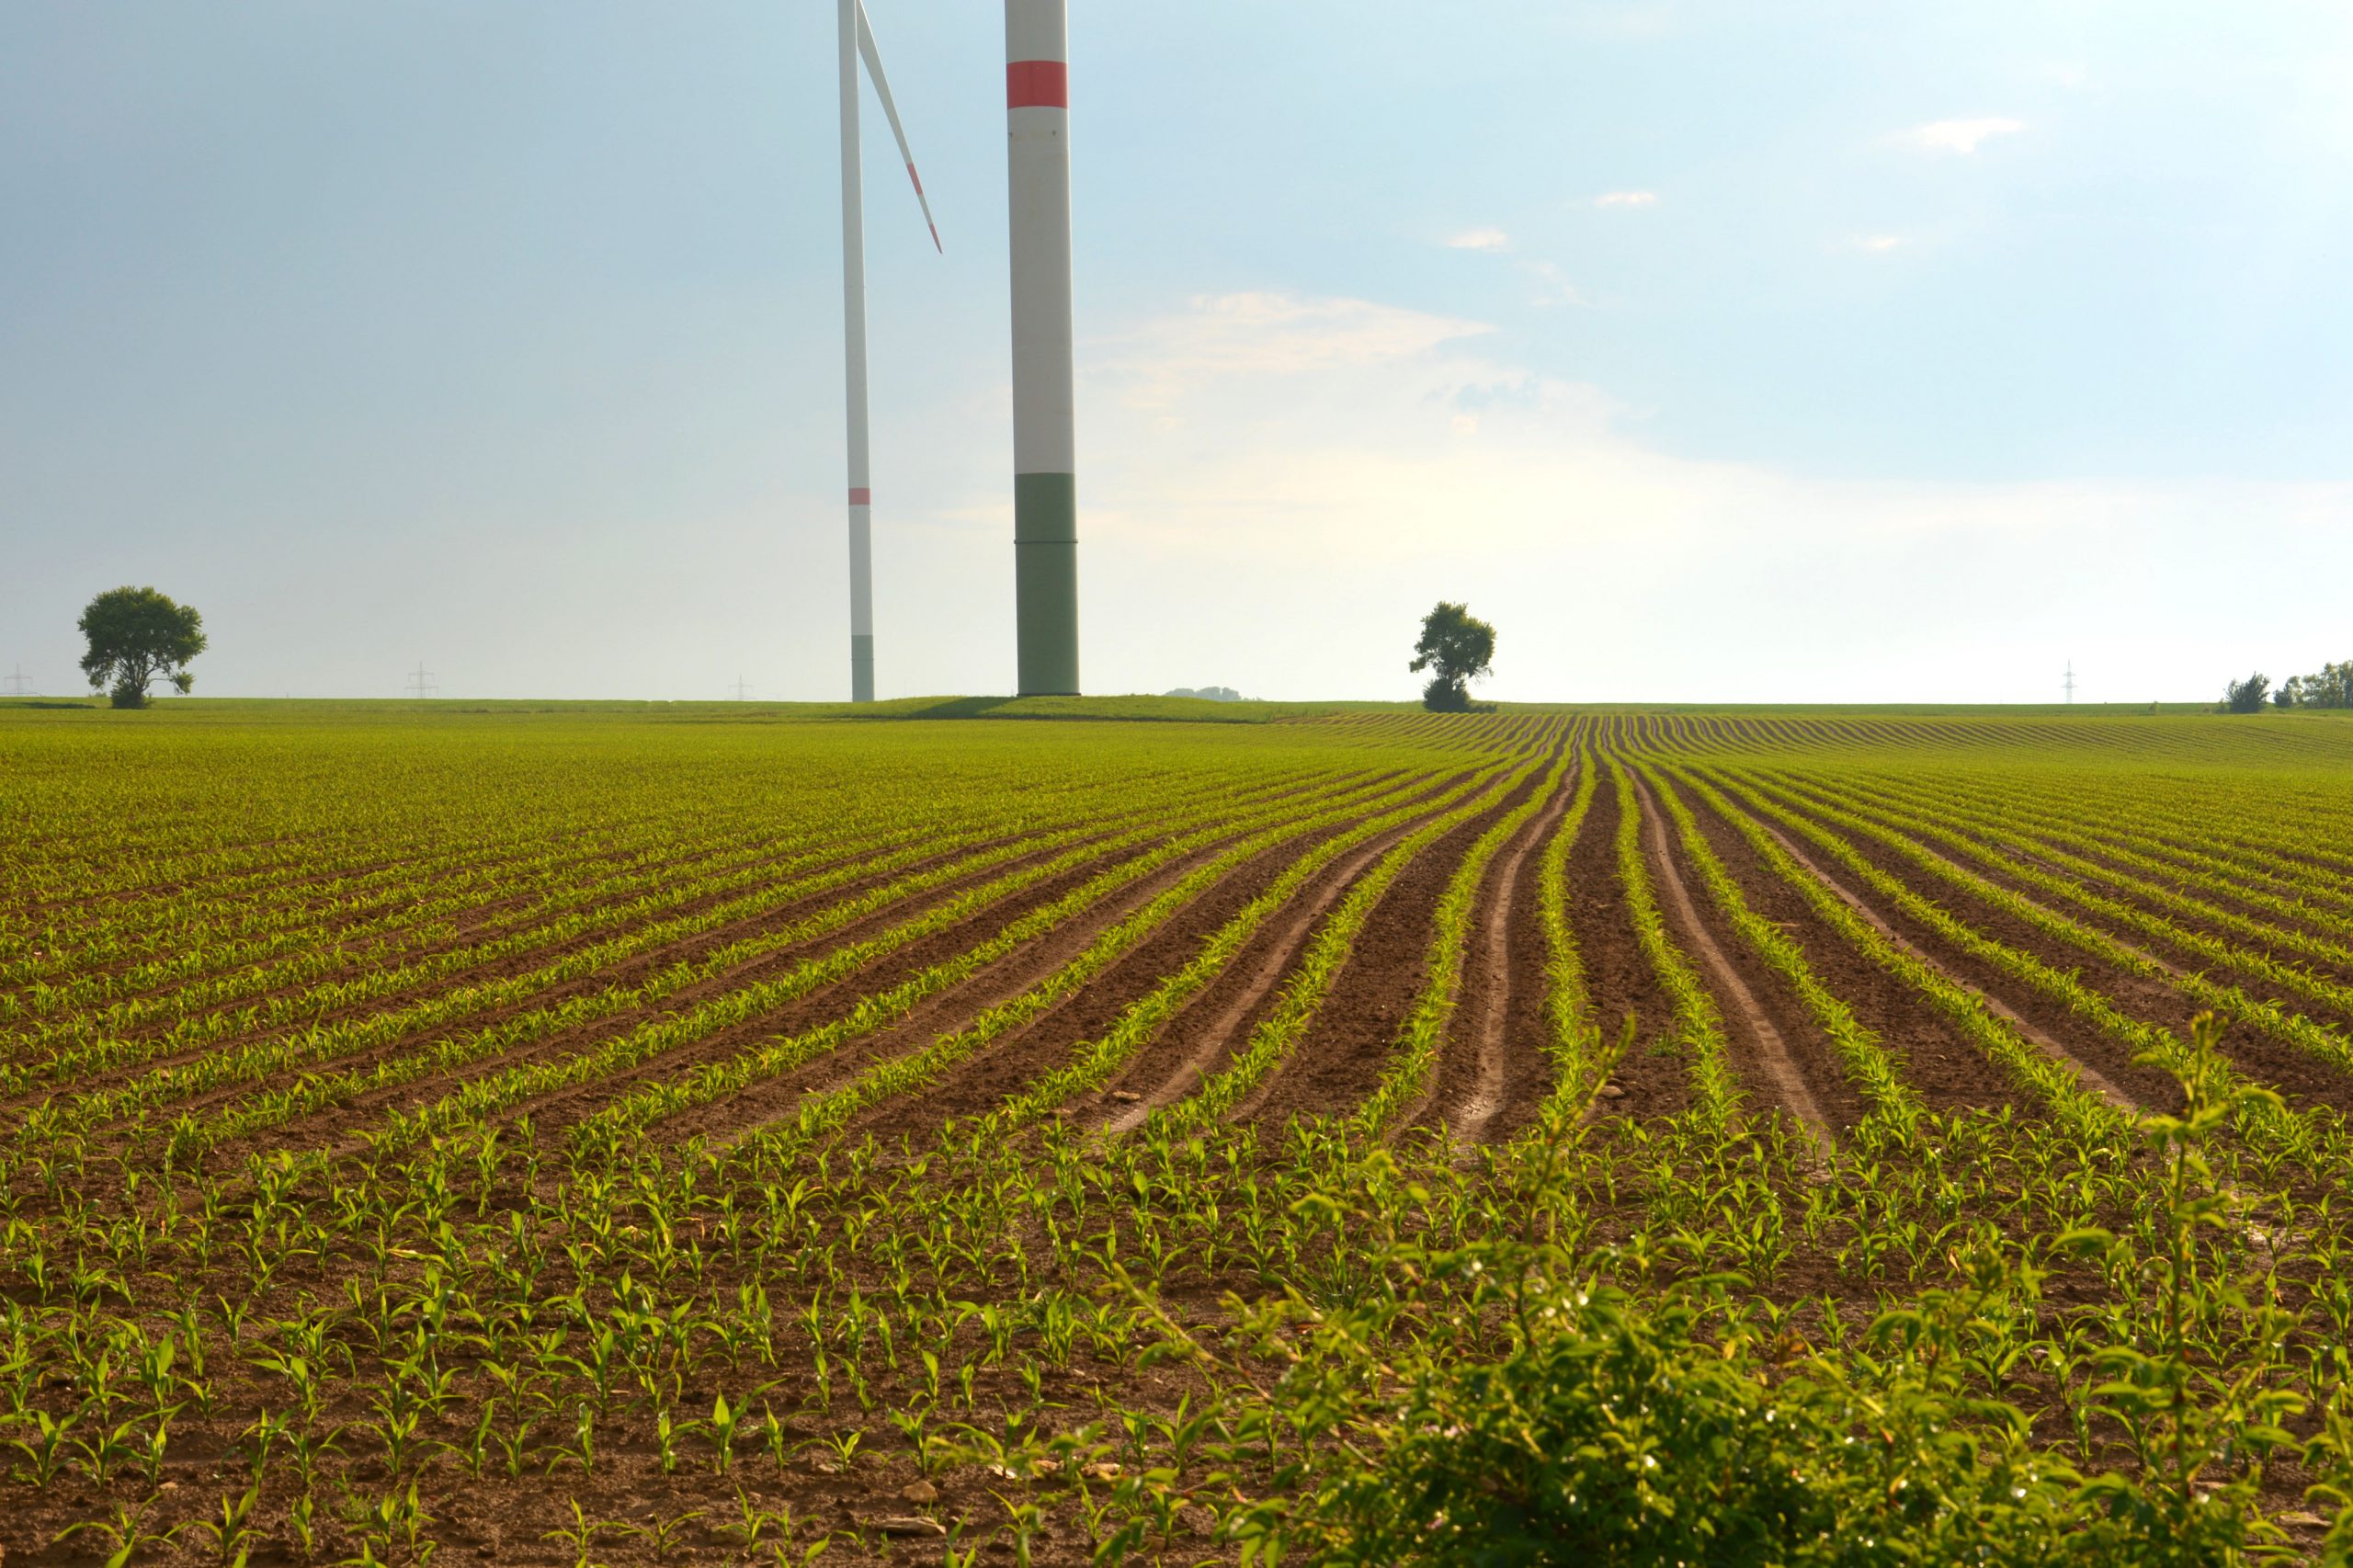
(1768, 1029)
(633, 971)
(2077, 1039)
(1207, 1033)
(1948, 1072)
(1619, 978)
(821, 1005)
(2303, 1080)
(2339, 968)
(1495, 1071)
(1340, 1060)
(386, 952)
(1011, 1064)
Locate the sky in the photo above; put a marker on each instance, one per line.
(1742, 351)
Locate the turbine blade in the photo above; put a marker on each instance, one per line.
(891, 112)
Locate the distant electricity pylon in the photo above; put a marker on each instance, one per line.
(2071, 681)
(421, 682)
(16, 686)
(742, 687)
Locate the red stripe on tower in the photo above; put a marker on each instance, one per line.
(1037, 83)
(859, 496)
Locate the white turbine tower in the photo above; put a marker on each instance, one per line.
(857, 41)
(1045, 486)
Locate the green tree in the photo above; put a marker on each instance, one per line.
(1456, 649)
(2246, 696)
(138, 637)
(2332, 687)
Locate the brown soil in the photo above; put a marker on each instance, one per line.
(1948, 1072)
(1760, 1036)
(821, 1006)
(1203, 1039)
(2302, 1079)
(1650, 1081)
(1339, 1061)
(983, 1083)
(1495, 1070)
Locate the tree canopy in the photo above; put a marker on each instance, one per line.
(137, 637)
(2246, 696)
(2331, 688)
(1456, 649)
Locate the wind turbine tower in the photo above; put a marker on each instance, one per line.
(857, 41)
(2071, 683)
(1045, 485)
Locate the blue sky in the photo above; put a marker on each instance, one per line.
(1743, 351)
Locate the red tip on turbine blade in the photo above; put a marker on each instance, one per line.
(1037, 83)
(917, 178)
(859, 496)
(935, 239)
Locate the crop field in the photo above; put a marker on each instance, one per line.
(592, 1138)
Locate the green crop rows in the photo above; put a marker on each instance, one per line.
(1359, 1135)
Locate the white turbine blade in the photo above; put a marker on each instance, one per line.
(891, 112)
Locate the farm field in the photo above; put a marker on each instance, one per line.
(574, 1137)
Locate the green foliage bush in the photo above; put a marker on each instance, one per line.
(1494, 1406)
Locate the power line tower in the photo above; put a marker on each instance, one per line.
(2071, 683)
(742, 688)
(16, 684)
(421, 682)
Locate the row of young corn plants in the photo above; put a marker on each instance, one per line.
(1033, 805)
(826, 1111)
(148, 1028)
(329, 974)
(1573, 1041)
(412, 902)
(733, 1006)
(2266, 1124)
(2232, 1002)
(736, 1005)
(1286, 1023)
(943, 823)
(864, 1016)
(2061, 1094)
(1093, 1063)
(267, 1055)
(711, 1081)
(1405, 1077)
(1947, 819)
(101, 952)
(1868, 1065)
(1696, 1031)
(2164, 839)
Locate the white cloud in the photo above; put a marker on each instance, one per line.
(1879, 245)
(1262, 335)
(1553, 286)
(1961, 136)
(1480, 239)
(1627, 198)
(1319, 469)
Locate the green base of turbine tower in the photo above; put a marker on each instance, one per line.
(862, 668)
(1045, 583)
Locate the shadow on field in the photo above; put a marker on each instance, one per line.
(955, 707)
